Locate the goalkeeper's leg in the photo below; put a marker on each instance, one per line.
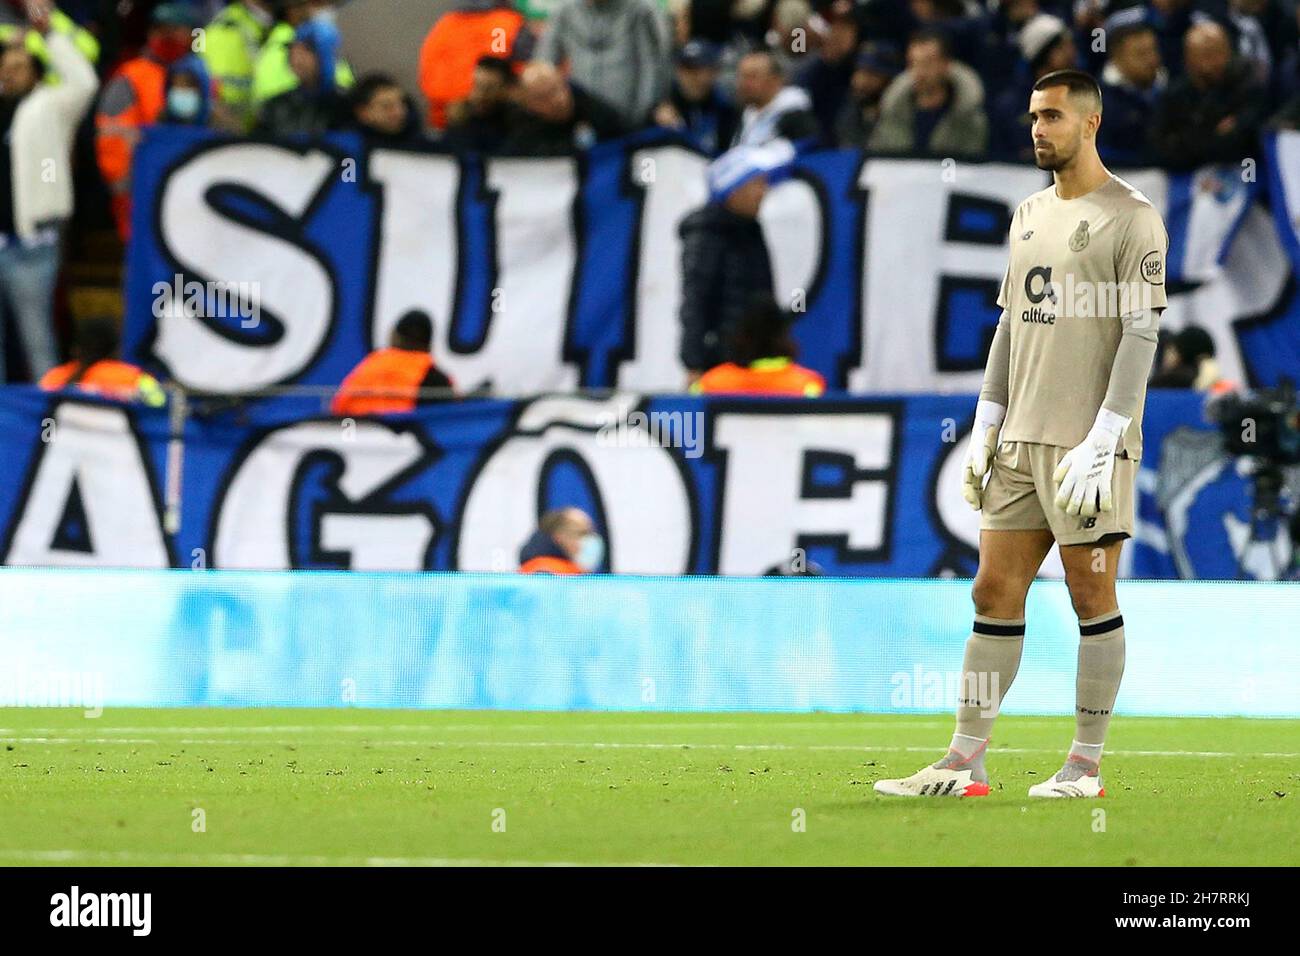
(1090, 571)
(1008, 562)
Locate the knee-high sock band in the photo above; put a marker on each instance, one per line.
(990, 665)
(1101, 665)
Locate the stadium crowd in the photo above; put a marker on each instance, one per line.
(1185, 82)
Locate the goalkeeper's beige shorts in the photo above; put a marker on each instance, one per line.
(1021, 496)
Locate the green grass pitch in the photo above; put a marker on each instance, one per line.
(312, 787)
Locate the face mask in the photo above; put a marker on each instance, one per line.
(184, 103)
(591, 552)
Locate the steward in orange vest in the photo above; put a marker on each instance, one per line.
(762, 363)
(565, 542)
(452, 48)
(133, 99)
(388, 381)
(94, 370)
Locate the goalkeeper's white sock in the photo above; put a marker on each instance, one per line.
(1101, 666)
(1088, 752)
(966, 753)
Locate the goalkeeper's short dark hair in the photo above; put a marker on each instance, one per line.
(1077, 82)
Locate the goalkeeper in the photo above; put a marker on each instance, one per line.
(1058, 434)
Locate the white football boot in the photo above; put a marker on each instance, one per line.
(934, 782)
(1075, 779)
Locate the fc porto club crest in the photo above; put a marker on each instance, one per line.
(1079, 238)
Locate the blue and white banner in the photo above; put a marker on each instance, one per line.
(255, 264)
(677, 485)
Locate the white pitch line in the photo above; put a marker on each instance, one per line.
(384, 728)
(611, 745)
(130, 857)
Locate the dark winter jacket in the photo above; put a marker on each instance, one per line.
(725, 263)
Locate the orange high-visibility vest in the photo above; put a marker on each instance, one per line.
(116, 135)
(546, 564)
(107, 377)
(385, 382)
(452, 49)
(774, 376)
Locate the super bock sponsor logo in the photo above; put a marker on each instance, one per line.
(1153, 267)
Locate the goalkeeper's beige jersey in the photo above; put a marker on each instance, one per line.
(1076, 267)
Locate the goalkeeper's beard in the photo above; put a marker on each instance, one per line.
(1053, 160)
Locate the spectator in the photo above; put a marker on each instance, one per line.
(695, 104)
(565, 542)
(315, 105)
(188, 98)
(828, 75)
(1244, 18)
(458, 40)
(761, 362)
(935, 107)
(1004, 57)
(1170, 19)
(94, 368)
(1279, 21)
(734, 27)
(1046, 45)
(383, 113)
(38, 121)
(1188, 362)
(967, 32)
(272, 74)
(616, 47)
(480, 122)
(1131, 84)
(791, 36)
(876, 66)
(725, 261)
(133, 99)
(1213, 113)
(392, 381)
(725, 22)
(556, 117)
(771, 109)
(60, 22)
(232, 42)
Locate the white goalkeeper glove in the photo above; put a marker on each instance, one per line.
(1083, 478)
(979, 452)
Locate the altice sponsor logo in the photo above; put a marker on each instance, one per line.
(75, 908)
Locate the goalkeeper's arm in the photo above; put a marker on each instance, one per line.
(989, 412)
(997, 369)
(1132, 365)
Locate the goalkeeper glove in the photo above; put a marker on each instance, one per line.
(979, 452)
(1083, 478)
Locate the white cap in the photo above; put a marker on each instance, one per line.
(1039, 32)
